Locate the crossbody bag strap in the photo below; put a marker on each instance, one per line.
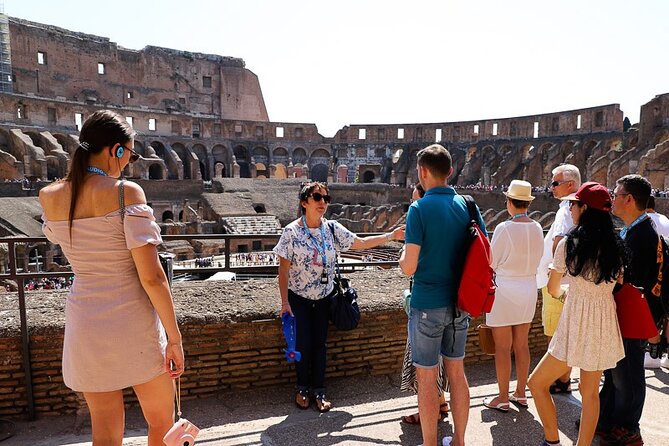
(121, 199)
(334, 239)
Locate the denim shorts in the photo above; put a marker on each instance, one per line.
(433, 332)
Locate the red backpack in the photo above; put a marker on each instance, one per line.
(476, 292)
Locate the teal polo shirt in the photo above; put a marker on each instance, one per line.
(437, 223)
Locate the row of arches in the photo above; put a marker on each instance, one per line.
(200, 162)
(496, 165)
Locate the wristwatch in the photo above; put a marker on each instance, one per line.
(389, 235)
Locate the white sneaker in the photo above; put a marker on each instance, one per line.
(651, 363)
(665, 362)
(446, 441)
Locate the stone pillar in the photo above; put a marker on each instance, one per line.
(272, 171)
(342, 173)
(218, 170)
(235, 167)
(290, 170)
(393, 177)
(253, 171)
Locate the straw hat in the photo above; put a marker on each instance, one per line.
(520, 190)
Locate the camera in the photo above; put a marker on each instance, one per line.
(183, 433)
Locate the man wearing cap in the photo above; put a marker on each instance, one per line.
(624, 391)
(566, 180)
(435, 240)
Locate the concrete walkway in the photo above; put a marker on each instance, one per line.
(367, 412)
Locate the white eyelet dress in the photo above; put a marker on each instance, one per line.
(113, 336)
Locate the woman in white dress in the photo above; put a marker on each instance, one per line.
(517, 246)
(587, 335)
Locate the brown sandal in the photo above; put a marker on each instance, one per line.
(322, 404)
(414, 418)
(302, 399)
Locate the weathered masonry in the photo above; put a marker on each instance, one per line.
(203, 116)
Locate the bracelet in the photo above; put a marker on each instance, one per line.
(562, 297)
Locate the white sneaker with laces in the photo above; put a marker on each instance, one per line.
(665, 362)
(651, 363)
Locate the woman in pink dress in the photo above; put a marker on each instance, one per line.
(120, 326)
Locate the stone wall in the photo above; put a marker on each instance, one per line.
(59, 63)
(232, 340)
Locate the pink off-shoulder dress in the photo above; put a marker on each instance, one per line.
(113, 336)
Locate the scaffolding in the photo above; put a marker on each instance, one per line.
(6, 85)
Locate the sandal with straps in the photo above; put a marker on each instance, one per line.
(322, 403)
(302, 399)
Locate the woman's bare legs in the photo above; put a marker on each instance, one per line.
(547, 371)
(503, 340)
(157, 401)
(589, 387)
(107, 417)
(521, 354)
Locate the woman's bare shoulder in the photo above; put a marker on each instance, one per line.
(54, 191)
(134, 194)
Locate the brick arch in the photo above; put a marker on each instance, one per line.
(184, 156)
(203, 158)
(243, 160)
(299, 156)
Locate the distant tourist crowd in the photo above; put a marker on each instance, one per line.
(59, 283)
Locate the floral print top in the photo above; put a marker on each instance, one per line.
(306, 264)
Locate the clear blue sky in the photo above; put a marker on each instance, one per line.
(373, 62)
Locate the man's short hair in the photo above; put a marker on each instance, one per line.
(436, 159)
(638, 187)
(650, 204)
(569, 173)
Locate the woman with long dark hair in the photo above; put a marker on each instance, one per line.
(120, 326)
(588, 335)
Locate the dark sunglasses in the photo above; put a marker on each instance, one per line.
(134, 156)
(557, 183)
(317, 196)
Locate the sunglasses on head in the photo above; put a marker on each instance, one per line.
(317, 196)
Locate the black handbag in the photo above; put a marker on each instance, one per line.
(343, 305)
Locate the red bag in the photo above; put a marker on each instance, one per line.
(633, 311)
(476, 292)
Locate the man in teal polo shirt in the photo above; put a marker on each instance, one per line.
(434, 254)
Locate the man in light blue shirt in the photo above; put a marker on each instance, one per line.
(434, 254)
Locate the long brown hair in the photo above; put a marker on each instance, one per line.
(104, 128)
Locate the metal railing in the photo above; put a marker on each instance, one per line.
(17, 274)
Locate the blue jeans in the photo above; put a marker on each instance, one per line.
(311, 332)
(436, 331)
(624, 391)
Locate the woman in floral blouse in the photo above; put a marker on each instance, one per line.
(307, 253)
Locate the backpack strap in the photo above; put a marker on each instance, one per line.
(121, 199)
(471, 207)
